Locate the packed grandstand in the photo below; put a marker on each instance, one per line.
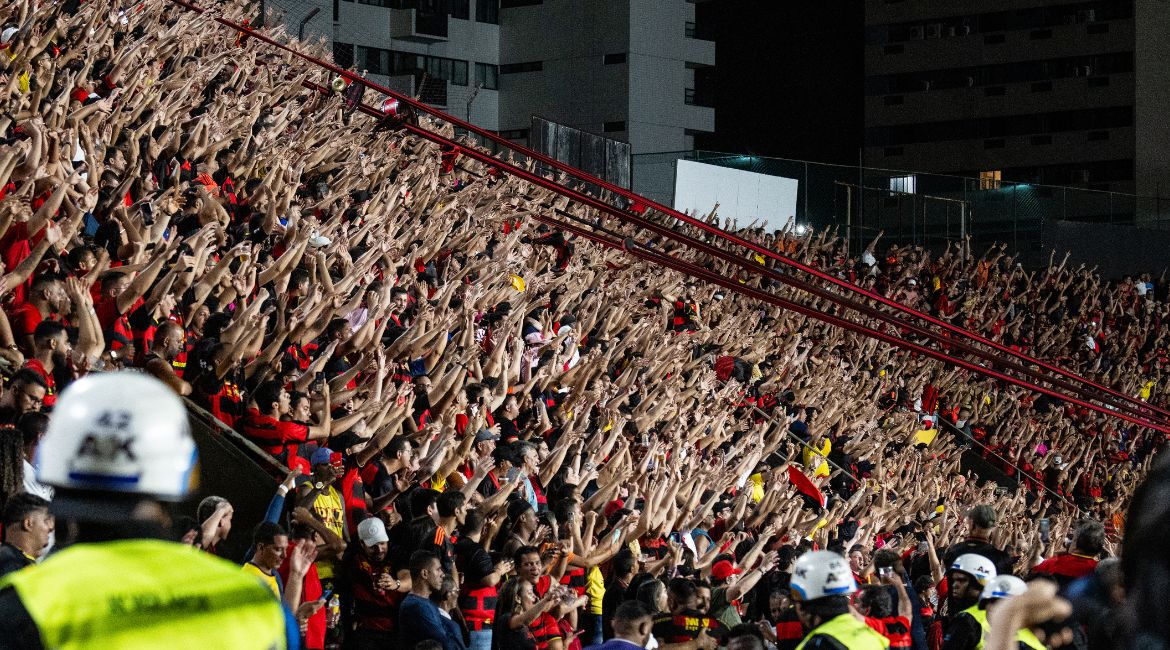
(517, 414)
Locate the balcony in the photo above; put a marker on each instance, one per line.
(420, 21)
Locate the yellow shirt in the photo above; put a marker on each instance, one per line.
(268, 580)
(757, 483)
(925, 436)
(815, 460)
(330, 510)
(595, 589)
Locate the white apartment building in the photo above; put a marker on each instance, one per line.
(624, 69)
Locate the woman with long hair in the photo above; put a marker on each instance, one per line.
(517, 607)
(11, 463)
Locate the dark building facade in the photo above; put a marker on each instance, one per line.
(1031, 91)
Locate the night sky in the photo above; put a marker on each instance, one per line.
(788, 80)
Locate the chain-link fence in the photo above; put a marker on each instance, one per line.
(919, 208)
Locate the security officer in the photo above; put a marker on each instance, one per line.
(970, 629)
(821, 585)
(967, 578)
(118, 445)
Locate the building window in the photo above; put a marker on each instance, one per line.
(990, 180)
(611, 127)
(689, 29)
(508, 4)
(513, 68)
(689, 96)
(487, 76)
(487, 11)
(515, 134)
(342, 54)
(391, 62)
(904, 184)
(614, 59)
(461, 9)
(450, 69)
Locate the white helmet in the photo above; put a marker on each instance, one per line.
(119, 432)
(977, 566)
(820, 574)
(1003, 587)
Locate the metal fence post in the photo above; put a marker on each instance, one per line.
(1015, 217)
(806, 192)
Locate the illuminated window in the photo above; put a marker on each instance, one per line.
(989, 180)
(904, 184)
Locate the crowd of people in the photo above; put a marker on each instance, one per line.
(499, 436)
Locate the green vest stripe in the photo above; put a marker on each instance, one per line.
(850, 632)
(1024, 636)
(147, 594)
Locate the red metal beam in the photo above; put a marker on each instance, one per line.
(597, 204)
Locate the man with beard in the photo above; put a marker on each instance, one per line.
(169, 341)
(378, 587)
(46, 298)
(26, 394)
(50, 356)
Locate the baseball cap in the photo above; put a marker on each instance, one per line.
(723, 569)
(321, 456)
(372, 531)
(485, 434)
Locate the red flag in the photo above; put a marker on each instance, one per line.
(805, 486)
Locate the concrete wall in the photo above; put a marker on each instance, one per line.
(659, 54)
(576, 87)
(570, 38)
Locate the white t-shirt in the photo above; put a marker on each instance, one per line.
(32, 486)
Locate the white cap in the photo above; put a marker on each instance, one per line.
(977, 566)
(8, 33)
(372, 531)
(1003, 587)
(820, 574)
(119, 432)
(319, 241)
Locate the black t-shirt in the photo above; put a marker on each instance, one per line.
(12, 559)
(382, 484)
(964, 633)
(683, 627)
(474, 563)
(507, 639)
(615, 595)
(426, 536)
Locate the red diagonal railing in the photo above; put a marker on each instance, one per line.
(1142, 407)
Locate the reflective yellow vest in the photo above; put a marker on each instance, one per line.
(849, 632)
(1024, 636)
(147, 594)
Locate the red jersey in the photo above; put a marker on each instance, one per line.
(274, 436)
(311, 590)
(1066, 567)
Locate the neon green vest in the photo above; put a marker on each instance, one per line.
(849, 632)
(147, 594)
(1024, 636)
